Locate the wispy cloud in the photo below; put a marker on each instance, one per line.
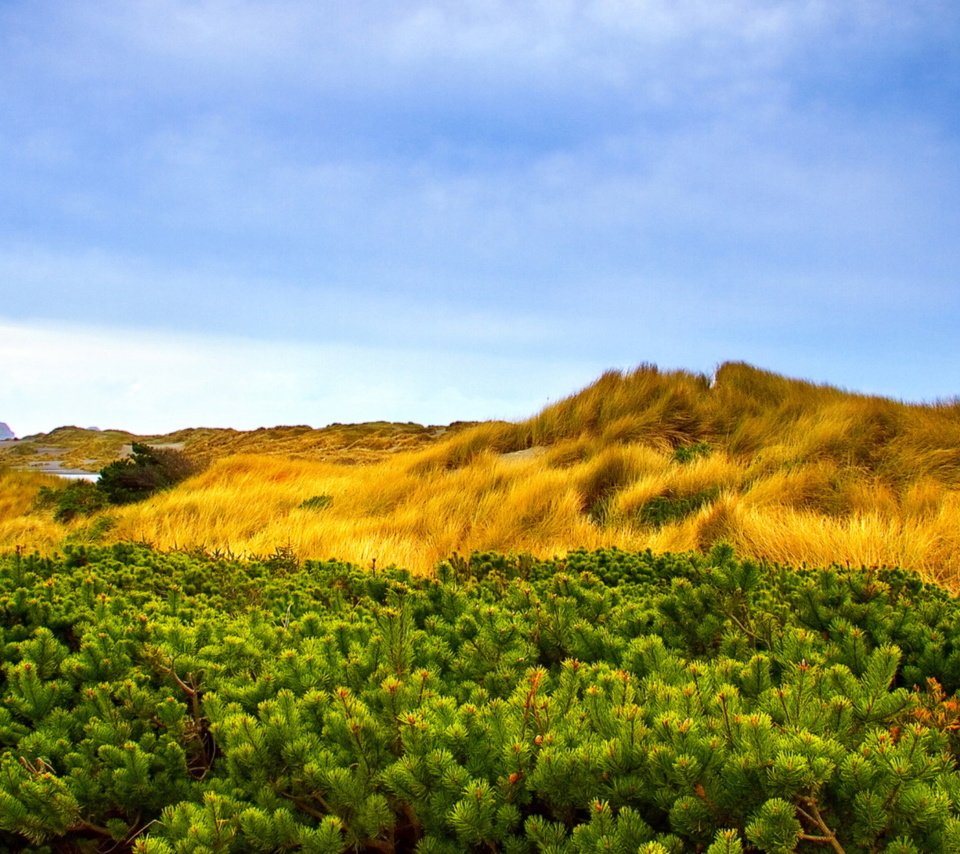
(593, 183)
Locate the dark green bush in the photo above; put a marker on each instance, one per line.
(317, 502)
(146, 471)
(663, 509)
(77, 498)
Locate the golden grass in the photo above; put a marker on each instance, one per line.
(19, 525)
(90, 450)
(796, 473)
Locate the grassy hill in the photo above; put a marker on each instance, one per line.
(785, 470)
(89, 450)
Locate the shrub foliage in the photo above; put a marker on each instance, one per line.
(123, 481)
(144, 472)
(610, 701)
(79, 498)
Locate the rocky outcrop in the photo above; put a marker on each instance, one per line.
(6, 432)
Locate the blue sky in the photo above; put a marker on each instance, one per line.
(231, 213)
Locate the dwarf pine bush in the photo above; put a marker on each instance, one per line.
(610, 701)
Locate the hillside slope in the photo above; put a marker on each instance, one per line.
(783, 469)
(82, 449)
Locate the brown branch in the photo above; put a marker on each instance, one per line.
(89, 827)
(828, 837)
(303, 806)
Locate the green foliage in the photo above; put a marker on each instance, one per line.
(120, 482)
(688, 453)
(663, 509)
(78, 498)
(146, 471)
(610, 701)
(317, 502)
(775, 829)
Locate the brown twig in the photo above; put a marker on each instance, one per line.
(814, 817)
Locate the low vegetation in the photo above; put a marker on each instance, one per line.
(146, 471)
(134, 478)
(172, 702)
(182, 673)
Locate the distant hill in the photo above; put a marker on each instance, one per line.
(6, 432)
(89, 449)
(785, 470)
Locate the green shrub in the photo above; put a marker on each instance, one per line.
(609, 701)
(663, 509)
(77, 498)
(317, 502)
(688, 453)
(146, 471)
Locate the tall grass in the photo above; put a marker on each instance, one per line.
(19, 524)
(785, 470)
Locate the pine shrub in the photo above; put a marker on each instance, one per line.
(608, 701)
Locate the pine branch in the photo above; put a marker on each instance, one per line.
(307, 808)
(89, 827)
(750, 633)
(814, 817)
(200, 733)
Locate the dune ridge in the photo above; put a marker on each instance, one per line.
(785, 470)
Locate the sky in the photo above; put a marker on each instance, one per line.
(241, 214)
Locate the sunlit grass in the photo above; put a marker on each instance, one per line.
(19, 525)
(786, 471)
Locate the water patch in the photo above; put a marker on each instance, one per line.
(56, 469)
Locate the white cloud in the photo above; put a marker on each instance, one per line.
(588, 182)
